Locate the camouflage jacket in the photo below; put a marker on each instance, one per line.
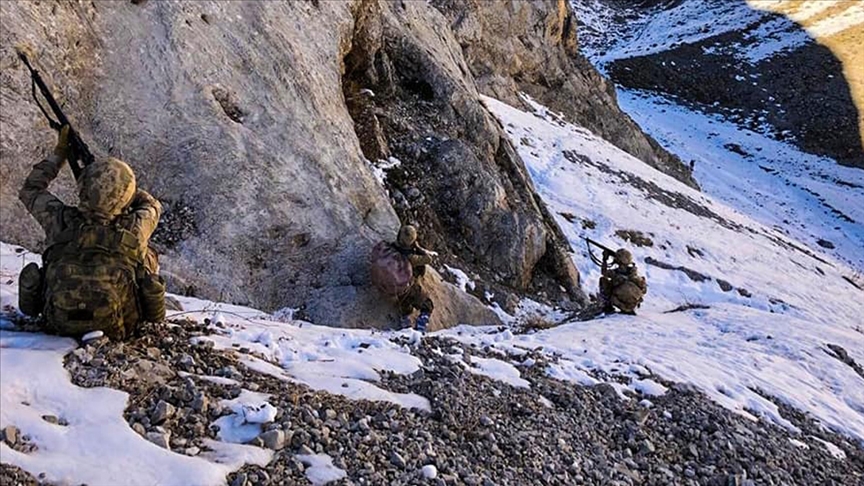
(55, 217)
(621, 274)
(416, 256)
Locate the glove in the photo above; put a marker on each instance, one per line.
(63, 150)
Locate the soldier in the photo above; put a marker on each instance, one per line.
(99, 273)
(621, 286)
(416, 297)
(396, 268)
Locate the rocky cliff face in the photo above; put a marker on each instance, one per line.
(259, 125)
(515, 46)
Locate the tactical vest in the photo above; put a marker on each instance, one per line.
(91, 276)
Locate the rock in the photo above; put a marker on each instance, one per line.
(154, 353)
(647, 447)
(192, 451)
(10, 435)
(397, 460)
(429, 471)
(544, 64)
(310, 189)
(51, 419)
(200, 403)
(239, 480)
(273, 439)
(305, 450)
(161, 439)
(162, 412)
(186, 362)
(139, 428)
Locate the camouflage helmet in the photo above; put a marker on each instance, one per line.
(407, 236)
(623, 257)
(106, 187)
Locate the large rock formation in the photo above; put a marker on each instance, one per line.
(515, 46)
(241, 118)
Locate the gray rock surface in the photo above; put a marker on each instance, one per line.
(235, 115)
(515, 46)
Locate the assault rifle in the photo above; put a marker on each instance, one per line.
(79, 152)
(607, 253)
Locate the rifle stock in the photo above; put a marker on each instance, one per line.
(79, 151)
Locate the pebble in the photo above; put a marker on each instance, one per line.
(162, 439)
(10, 435)
(162, 412)
(429, 471)
(273, 439)
(397, 460)
(239, 480)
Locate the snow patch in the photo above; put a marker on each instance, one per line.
(320, 469)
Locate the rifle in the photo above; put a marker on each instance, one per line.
(78, 149)
(607, 253)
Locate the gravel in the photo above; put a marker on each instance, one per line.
(479, 431)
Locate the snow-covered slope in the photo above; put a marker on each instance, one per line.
(766, 307)
(807, 197)
(766, 334)
(608, 32)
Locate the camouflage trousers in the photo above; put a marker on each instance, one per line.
(626, 296)
(415, 298)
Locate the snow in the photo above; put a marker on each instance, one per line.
(608, 33)
(649, 387)
(381, 166)
(338, 361)
(462, 280)
(776, 184)
(320, 469)
(250, 410)
(739, 349)
(499, 370)
(832, 448)
(798, 443)
(97, 446)
(92, 335)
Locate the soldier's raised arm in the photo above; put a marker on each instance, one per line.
(419, 257)
(146, 209)
(43, 205)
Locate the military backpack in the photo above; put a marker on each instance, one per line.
(390, 269)
(91, 281)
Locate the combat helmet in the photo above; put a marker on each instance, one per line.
(106, 188)
(623, 257)
(407, 236)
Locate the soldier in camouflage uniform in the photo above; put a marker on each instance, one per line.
(110, 228)
(621, 286)
(416, 297)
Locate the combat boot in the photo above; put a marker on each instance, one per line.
(422, 321)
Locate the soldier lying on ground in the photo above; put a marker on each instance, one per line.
(621, 286)
(99, 273)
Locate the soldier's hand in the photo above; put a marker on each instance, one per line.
(62, 150)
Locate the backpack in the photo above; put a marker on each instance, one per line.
(90, 282)
(390, 270)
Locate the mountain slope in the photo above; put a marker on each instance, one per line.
(797, 78)
(743, 363)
